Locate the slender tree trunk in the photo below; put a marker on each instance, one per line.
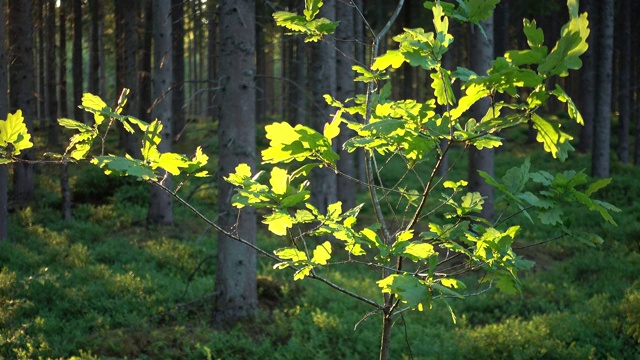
(76, 59)
(22, 89)
(262, 93)
(50, 98)
(94, 53)
(236, 289)
(300, 105)
(602, 120)
(38, 52)
(624, 85)
(4, 109)
(161, 203)
(62, 58)
(177, 96)
(324, 181)
(481, 50)
(131, 45)
(144, 74)
(360, 86)
(212, 63)
(588, 80)
(345, 89)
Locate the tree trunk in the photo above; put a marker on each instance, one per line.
(144, 74)
(212, 63)
(50, 98)
(76, 59)
(236, 289)
(131, 45)
(300, 98)
(624, 85)
(62, 58)
(4, 169)
(602, 121)
(324, 181)
(161, 202)
(177, 96)
(588, 81)
(38, 27)
(360, 86)
(345, 89)
(22, 89)
(481, 52)
(94, 40)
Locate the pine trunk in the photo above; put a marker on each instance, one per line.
(602, 122)
(161, 202)
(235, 287)
(22, 89)
(481, 51)
(324, 181)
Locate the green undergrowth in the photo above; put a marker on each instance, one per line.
(104, 286)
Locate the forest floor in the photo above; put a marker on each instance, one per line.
(104, 286)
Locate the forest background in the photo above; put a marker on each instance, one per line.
(92, 267)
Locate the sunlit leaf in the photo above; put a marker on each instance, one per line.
(14, 132)
(322, 253)
(278, 222)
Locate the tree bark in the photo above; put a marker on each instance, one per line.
(345, 89)
(236, 289)
(588, 81)
(624, 85)
(131, 43)
(177, 96)
(22, 89)
(4, 107)
(94, 42)
(161, 202)
(481, 52)
(62, 58)
(324, 181)
(50, 98)
(144, 74)
(602, 121)
(76, 59)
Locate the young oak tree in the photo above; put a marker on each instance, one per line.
(435, 233)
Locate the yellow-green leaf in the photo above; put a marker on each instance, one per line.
(14, 131)
(278, 222)
(279, 181)
(322, 253)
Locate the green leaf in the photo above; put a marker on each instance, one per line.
(122, 166)
(552, 216)
(453, 283)
(312, 8)
(413, 250)
(597, 185)
(171, 162)
(243, 172)
(332, 129)
(393, 58)
(290, 253)
(279, 181)
(74, 125)
(555, 141)
(278, 222)
(322, 253)
(535, 36)
(94, 104)
(14, 132)
(408, 288)
(572, 109)
(471, 202)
